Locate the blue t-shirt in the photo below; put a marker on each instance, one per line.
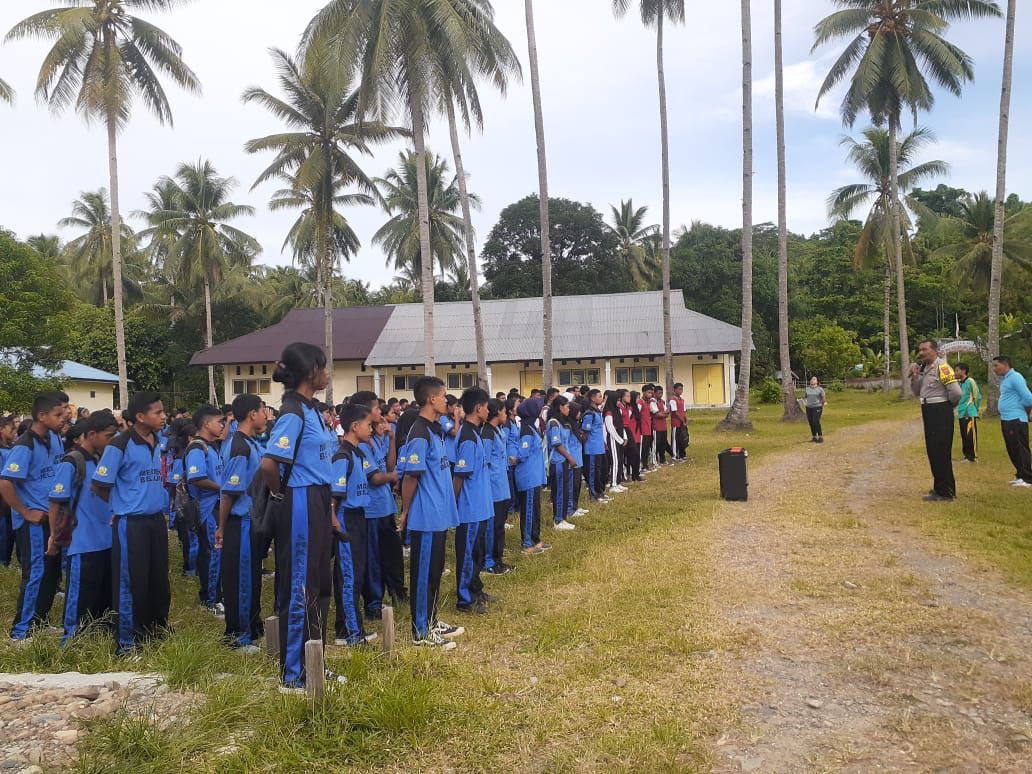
(558, 435)
(450, 439)
(93, 516)
(575, 448)
(131, 469)
(175, 471)
(512, 439)
(314, 449)
(350, 478)
(530, 459)
(200, 464)
(593, 425)
(497, 461)
(433, 507)
(241, 459)
(475, 502)
(381, 498)
(1015, 397)
(30, 465)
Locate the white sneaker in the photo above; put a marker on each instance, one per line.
(435, 641)
(565, 526)
(509, 526)
(292, 690)
(618, 488)
(1022, 484)
(1014, 481)
(605, 500)
(447, 631)
(248, 650)
(371, 637)
(579, 512)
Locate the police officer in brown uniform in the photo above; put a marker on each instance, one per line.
(934, 383)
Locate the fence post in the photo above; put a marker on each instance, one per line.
(315, 670)
(388, 629)
(272, 637)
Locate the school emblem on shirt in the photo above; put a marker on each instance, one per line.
(526, 445)
(462, 464)
(234, 480)
(102, 470)
(342, 481)
(283, 442)
(946, 375)
(14, 467)
(365, 464)
(58, 488)
(413, 459)
(193, 469)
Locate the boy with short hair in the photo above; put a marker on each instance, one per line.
(241, 563)
(967, 412)
(592, 424)
(428, 511)
(7, 436)
(88, 586)
(25, 483)
(658, 410)
(128, 477)
(204, 469)
(472, 485)
(679, 423)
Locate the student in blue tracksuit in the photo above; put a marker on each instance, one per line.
(181, 434)
(7, 436)
(560, 462)
(298, 445)
(88, 585)
(530, 476)
(25, 485)
(495, 437)
(350, 490)
(128, 478)
(203, 467)
(450, 423)
(472, 483)
(512, 439)
(576, 450)
(595, 447)
(428, 511)
(241, 562)
(385, 563)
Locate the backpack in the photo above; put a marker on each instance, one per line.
(65, 521)
(266, 505)
(188, 509)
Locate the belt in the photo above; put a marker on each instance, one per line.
(925, 401)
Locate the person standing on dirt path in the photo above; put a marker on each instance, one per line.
(816, 400)
(934, 382)
(967, 412)
(1015, 409)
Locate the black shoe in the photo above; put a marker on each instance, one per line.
(487, 598)
(478, 608)
(935, 497)
(500, 569)
(374, 615)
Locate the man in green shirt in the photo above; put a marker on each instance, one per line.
(967, 412)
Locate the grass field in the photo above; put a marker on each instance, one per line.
(597, 658)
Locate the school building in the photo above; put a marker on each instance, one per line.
(606, 341)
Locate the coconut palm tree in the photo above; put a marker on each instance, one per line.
(877, 245)
(208, 247)
(400, 236)
(409, 53)
(628, 226)
(792, 412)
(321, 111)
(47, 245)
(6, 92)
(546, 232)
(90, 255)
(161, 199)
(974, 249)
(738, 416)
(996, 278)
(893, 45)
(653, 14)
(102, 59)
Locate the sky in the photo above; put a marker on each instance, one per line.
(600, 111)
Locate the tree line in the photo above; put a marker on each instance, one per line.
(362, 76)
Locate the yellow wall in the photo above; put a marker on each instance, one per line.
(92, 395)
(345, 380)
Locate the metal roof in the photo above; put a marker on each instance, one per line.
(616, 325)
(76, 372)
(355, 329)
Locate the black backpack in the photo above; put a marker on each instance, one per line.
(66, 521)
(266, 506)
(188, 509)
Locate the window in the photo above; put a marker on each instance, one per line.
(637, 375)
(461, 381)
(265, 370)
(406, 382)
(579, 376)
(93, 393)
(250, 370)
(252, 386)
(238, 370)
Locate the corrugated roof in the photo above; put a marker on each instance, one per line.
(355, 330)
(76, 372)
(616, 325)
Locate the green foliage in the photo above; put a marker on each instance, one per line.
(826, 348)
(585, 254)
(146, 342)
(769, 391)
(942, 200)
(35, 301)
(18, 387)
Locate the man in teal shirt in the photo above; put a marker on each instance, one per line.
(1015, 407)
(967, 412)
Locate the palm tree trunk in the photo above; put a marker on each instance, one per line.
(426, 257)
(792, 411)
(116, 265)
(103, 290)
(664, 141)
(738, 417)
(887, 328)
(897, 233)
(208, 338)
(1001, 193)
(546, 246)
(327, 257)
(471, 248)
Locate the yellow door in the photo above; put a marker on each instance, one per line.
(531, 380)
(708, 381)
